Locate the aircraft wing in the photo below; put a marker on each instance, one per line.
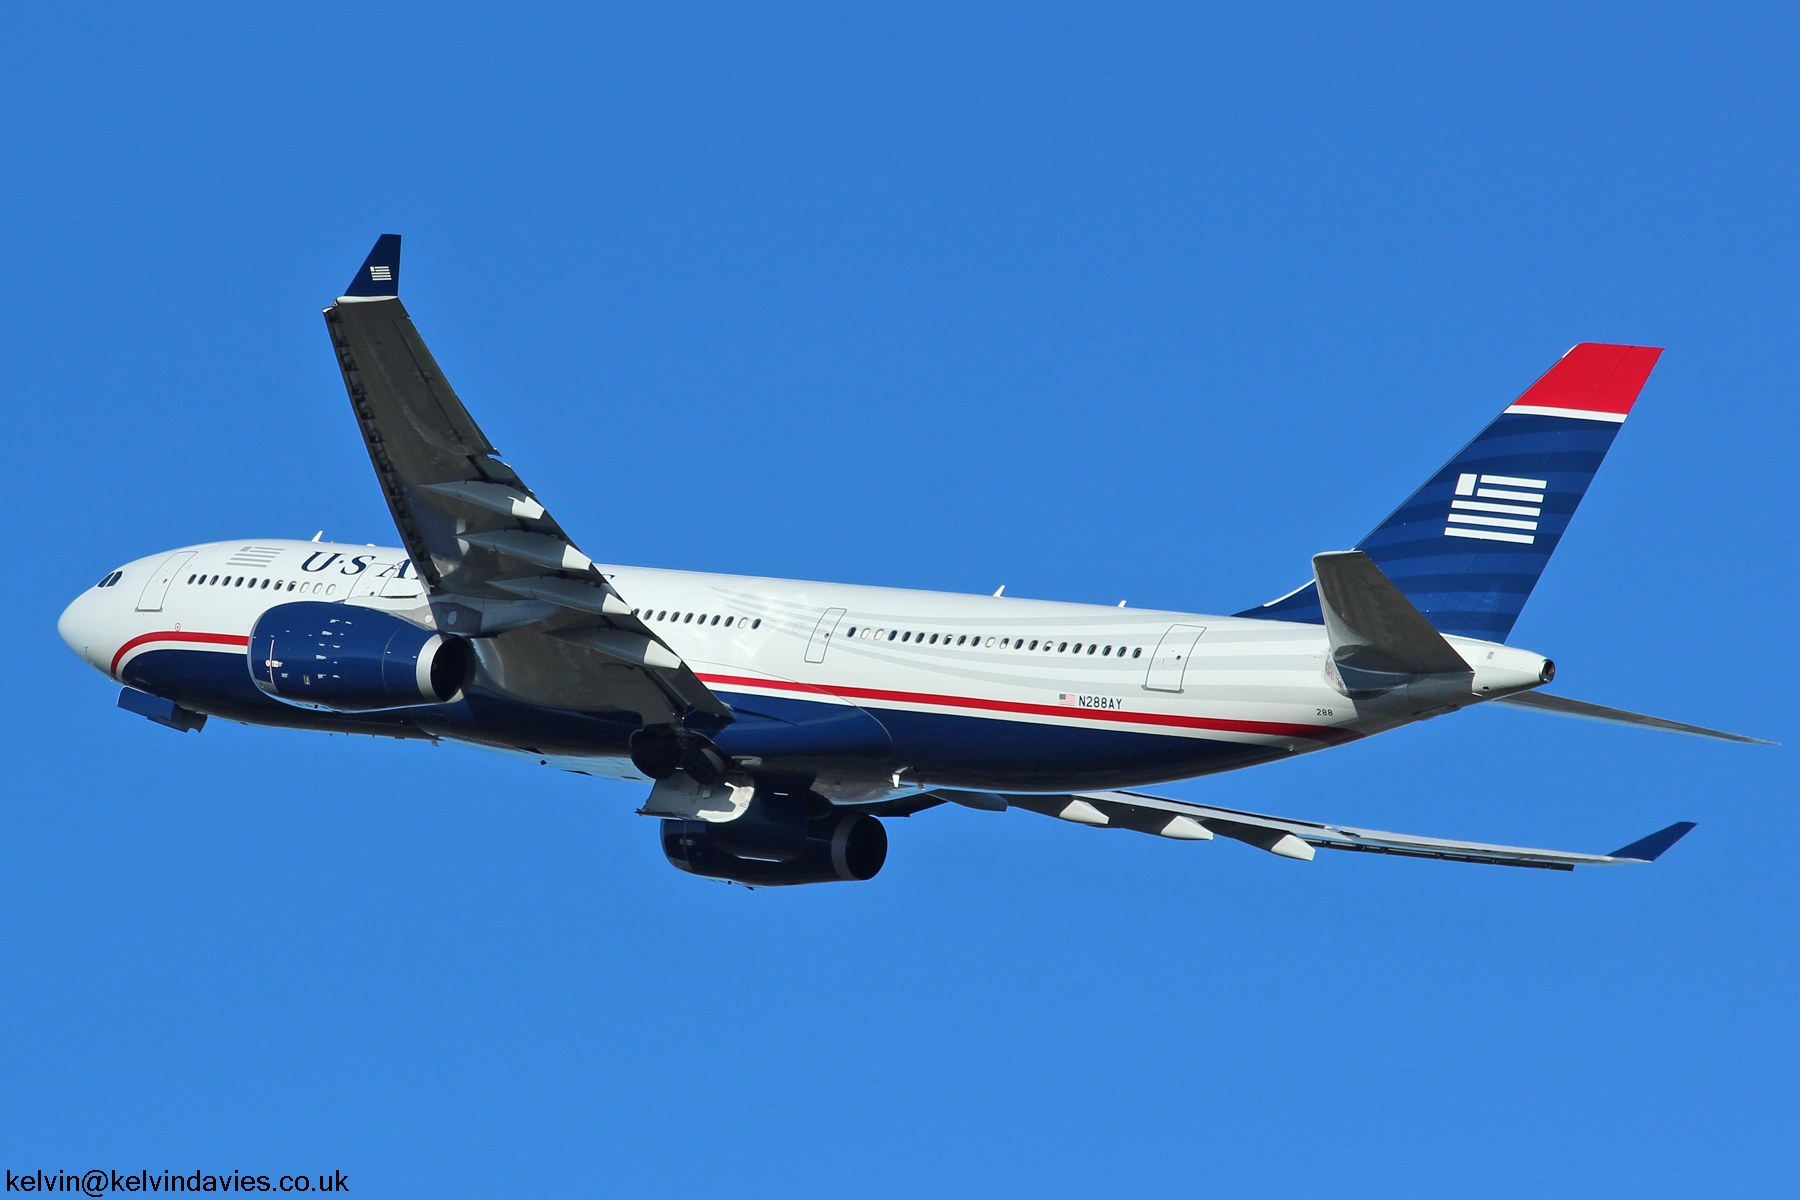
(1291, 838)
(549, 628)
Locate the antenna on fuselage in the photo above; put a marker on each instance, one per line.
(318, 535)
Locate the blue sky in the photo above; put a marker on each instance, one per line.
(1147, 304)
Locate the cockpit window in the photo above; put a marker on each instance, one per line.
(111, 579)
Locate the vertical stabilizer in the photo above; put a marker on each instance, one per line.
(1468, 547)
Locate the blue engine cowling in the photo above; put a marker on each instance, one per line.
(343, 658)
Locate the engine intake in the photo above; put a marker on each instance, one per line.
(342, 658)
(763, 853)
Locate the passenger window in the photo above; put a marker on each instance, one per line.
(728, 621)
(290, 586)
(690, 619)
(1137, 651)
(1034, 643)
(892, 634)
(1064, 646)
(756, 624)
(1092, 647)
(933, 640)
(907, 636)
(330, 589)
(663, 615)
(715, 620)
(1106, 653)
(990, 643)
(190, 579)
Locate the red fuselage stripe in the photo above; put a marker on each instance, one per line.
(1316, 733)
(177, 635)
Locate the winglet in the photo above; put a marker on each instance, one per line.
(1651, 848)
(379, 276)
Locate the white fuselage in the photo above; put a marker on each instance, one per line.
(939, 671)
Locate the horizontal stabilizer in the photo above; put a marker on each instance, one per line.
(1372, 624)
(1563, 706)
(1650, 849)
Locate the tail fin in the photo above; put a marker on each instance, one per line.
(1467, 548)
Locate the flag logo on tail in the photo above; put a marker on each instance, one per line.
(1496, 508)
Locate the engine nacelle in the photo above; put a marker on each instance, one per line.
(765, 853)
(343, 658)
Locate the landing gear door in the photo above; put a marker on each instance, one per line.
(821, 636)
(151, 599)
(1169, 664)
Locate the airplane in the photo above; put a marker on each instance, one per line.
(778, 722)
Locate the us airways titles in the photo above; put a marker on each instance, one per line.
(356, 564)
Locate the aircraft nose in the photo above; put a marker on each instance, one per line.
(79, 628)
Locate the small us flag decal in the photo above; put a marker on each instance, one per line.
(381, 274)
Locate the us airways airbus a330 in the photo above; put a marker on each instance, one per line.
(778, 722)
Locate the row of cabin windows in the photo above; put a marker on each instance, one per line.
(696, 618)
(317, 589)
(1005, 643)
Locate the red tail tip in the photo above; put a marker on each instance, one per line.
(1594, 377)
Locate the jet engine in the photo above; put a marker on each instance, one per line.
(765, 853)
(342, 658)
